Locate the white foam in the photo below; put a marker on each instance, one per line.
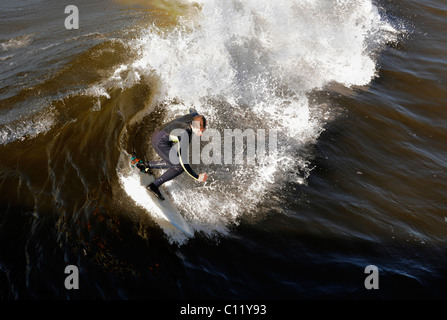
(28, 127)
(18, 42)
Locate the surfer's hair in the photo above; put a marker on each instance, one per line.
(199, 121)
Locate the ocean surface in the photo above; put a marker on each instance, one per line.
(356, 91)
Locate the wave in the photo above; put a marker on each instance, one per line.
(18, 42)
(255, 64)
(27, 128)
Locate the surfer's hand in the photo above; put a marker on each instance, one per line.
(203, 177)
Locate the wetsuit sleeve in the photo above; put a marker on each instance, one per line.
(185, 166)
(189, 170)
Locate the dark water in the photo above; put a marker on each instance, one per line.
(357, 91)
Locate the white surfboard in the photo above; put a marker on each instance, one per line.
(170, 212)
(164, 212)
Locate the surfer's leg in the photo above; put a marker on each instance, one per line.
(161, 164)
(168, 175)
(162, 145)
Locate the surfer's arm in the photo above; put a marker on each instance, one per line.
(189, 170)
(185, 166)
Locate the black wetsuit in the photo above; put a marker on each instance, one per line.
(163, 140)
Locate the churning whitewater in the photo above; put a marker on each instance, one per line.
(260, 65)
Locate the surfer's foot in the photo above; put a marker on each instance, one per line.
(144, 168)
(152, 188)
(134, 159)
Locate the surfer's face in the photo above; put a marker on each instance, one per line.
(198, 131)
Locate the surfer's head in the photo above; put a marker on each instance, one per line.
(198, 125)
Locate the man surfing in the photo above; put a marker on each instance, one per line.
(163, 140)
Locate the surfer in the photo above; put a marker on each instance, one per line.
(164, 139)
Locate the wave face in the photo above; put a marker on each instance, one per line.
(255, 64)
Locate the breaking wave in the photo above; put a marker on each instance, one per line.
(254, 64)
